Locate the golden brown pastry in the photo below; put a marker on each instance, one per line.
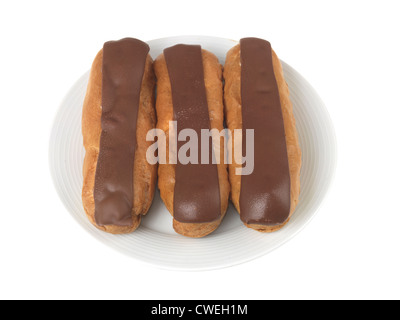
(189, 91)
(257, 97)
(118, 111)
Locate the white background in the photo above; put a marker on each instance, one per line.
(348, 50)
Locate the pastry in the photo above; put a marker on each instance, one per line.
(190, 92)
(118, 111)
(257, 98)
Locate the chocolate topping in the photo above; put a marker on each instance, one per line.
(265, 194)
(196, 195)
(123, 68)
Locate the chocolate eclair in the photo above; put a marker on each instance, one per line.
(118, 111)
(190, 94)
(257, 102)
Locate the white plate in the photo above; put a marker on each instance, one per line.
(155, 242)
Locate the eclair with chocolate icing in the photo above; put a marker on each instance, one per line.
(118, 111)
(190, 92)
(257, 98)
